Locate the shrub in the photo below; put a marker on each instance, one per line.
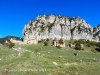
(93, 43)
(80, 41)
(98, 44)
(42, 28)
(40, 41)
(45, 43)
(47, 39)
(82, 49)
(86, 41)
(10, 45)
(78, 46)
(88, 45)
(50, 26)
(61, 41)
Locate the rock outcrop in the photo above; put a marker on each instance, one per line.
(96, 33)
(51, 26)
(16, 42)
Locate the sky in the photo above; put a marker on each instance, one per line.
(14, 14)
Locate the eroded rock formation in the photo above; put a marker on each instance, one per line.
(51, 26)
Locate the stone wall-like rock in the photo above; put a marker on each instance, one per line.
(51, 26)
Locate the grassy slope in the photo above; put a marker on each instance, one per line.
(39, 61)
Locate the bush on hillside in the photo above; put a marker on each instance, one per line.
(40, 41)
(10, 45)
(93, 43)
(78, 46)
(80, 41)
(88, 45)
(61, 41)
(47, 39)
(45, 43)
(98, 44)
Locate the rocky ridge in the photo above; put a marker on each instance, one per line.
(52, 26)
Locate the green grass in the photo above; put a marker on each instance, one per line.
(37, 60)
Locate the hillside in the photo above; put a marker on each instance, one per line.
(48, 60)
(2, 40)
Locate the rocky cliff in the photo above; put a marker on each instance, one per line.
(96, 33)
(51, 26)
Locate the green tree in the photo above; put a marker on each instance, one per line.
(78, 46)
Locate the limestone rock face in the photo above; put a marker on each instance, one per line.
(96, 33)
(16, 42)
(51, 26)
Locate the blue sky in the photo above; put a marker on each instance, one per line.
(14, 14)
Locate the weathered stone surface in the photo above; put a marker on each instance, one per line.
(96, 33)
(32, 41)
(52, 26)
(16, 42)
